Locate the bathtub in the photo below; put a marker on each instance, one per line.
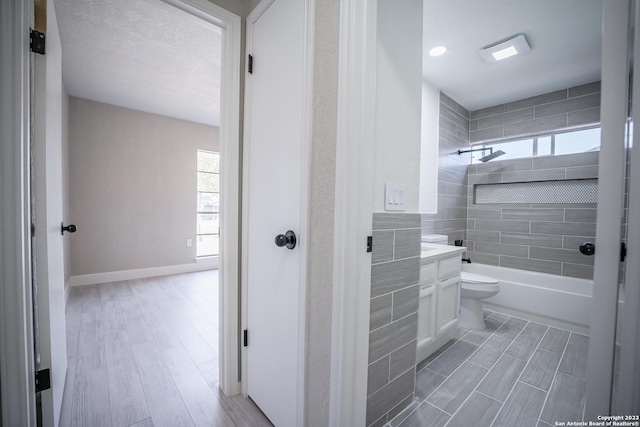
(562, 302)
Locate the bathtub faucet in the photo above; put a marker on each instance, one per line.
(467, 260)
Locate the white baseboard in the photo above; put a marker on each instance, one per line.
(116, 276)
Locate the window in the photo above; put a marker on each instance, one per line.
(208, 209)
(553, 144)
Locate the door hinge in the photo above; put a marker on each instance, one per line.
(369, 243)
(43, 380)
(250, 64)
(37, 41)
(245, 340)
(623, 251)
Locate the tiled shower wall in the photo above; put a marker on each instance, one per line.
(393, 325)
(451, 218)
(535, 237)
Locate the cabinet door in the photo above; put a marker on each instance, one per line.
(427, 315)
(448, 304)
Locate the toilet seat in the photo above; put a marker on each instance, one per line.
(478, 279)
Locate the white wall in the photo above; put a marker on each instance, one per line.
(398, 100)
(132, 187)
(428, 184)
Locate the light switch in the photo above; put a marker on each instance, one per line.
(394, 197)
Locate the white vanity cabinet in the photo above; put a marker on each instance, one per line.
(439, 297)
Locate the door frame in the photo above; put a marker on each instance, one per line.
(304, 168)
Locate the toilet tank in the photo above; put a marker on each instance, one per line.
(441, 239)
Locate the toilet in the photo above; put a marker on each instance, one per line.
(473, 289)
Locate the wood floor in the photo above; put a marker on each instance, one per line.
(145, 353)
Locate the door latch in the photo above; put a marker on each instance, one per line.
(43, 380)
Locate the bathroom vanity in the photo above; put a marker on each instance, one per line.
(439, 306)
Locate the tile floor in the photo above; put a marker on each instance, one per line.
(514, 373)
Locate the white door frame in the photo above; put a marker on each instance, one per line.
(353, 212)
(17, 380)
(230, 23)
(304, 168)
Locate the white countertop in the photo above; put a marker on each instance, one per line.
(431, 251)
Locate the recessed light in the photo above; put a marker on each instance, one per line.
(505, 49)
(438, 50)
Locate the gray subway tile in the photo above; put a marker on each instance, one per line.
(382, 246)
(509, 226)
(505, 166)
(511, 328)
(453, 357)
(541, 369)
(545, 98)
(574, 361)
(407, 243)
(486, 134)
(566, 399)
(391, 337)
(449, 225)
(484, 236)
(580, 215)
(513, 116)
(533, 214)
(524, 345)
(391, 221)
(447, 125)
(564, 228)
(501, 378)
(455, 390)
(408, 404)
(478, 410)
(522, 407)
(582, 172)
(466, 113)
(450, 201)
(426, 414)
(426, 382)
(473, 124)
(577, 271)
(572, 104)
(561, 255)
(389, 396)
(549, 267)
(536, 328)
(542, 240)
(485, 178)
(394, 275)
(585, 89)
(378, 375)
(402, 360)
(574, 242)
(502, 249)
(538, 125)
(451, 176)
(488, 111)
(566, 160)
(554, 340)
(534, 175)
(380, 311)
(579, 339)
(405, 301)
(452, 189)
(481, 258)
(380, 422)
(453, 115)
(483, 214)
(584, 117)
(490, 351)
(455, 213)
(447, 100)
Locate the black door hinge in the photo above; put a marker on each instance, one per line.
(37, 41)
(43, 380)
(245, 340)
(250, 64)
(369, 243)
(623, 251)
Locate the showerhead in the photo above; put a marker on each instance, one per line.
(492, 156)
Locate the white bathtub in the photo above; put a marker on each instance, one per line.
(563, 302)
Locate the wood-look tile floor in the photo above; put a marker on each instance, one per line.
(513, 373)
(145, 353)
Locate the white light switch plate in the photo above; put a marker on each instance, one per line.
(394, 197)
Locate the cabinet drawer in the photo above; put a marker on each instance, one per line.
(449, 267)
(427, 274)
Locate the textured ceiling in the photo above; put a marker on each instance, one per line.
(565, 39)
(141, 54)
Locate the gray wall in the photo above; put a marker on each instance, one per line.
(451, 218)
(393, 325)
(132, 187)
(535, 237)
(575, 106)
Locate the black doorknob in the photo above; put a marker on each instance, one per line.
(587, 248)
(288, 239)
(71, 228)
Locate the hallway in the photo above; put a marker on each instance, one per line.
(145, 353)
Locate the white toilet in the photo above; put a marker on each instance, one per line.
(474, 288)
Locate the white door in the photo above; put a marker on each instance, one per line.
(274, 192)
(47, 194)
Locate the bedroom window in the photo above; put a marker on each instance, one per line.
(208, 209)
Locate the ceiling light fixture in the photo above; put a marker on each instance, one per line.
(505, 49)
(438, 50)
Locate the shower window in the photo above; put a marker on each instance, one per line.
(550, 144)
(208, 209)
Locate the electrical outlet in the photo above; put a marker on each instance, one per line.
(189, 243)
